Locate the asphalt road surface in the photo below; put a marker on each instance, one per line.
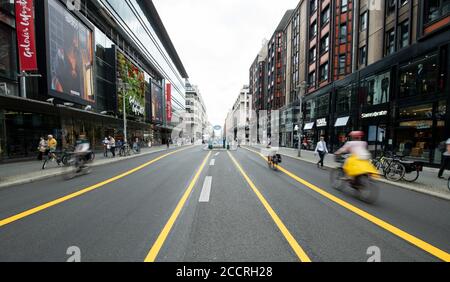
(194, 205)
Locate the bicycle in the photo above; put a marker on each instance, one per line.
(125, 150)
(76, 165)
(51, 157)
(392, 167)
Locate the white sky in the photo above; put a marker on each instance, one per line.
(217, 41)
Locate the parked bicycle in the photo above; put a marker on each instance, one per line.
(395, 168)
(125, 150)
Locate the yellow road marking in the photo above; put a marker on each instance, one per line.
(153, 253)
(81, 192)
(375, 220)
(291, 240)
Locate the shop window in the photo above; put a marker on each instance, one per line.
(8, 62)
(344, 100)
(322, 106)
(375, 90)
(420, 77)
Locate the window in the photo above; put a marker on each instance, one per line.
(403, 2)
(312, 55)
(342, 59)
(325, 16)
(324, 44)
(363, 22)
(7, 5)
(344, 6)
(376, 89)
(313, 30)
(390, 42)
(420, 77)
(323, 70)
(344, 100)
(343, 33)
(313, 5)
(404, 34)
(8, 63)
(363, 55)
(434, 9)
(390, 7)
(312, 78)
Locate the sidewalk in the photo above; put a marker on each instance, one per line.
(428, 182)
(30, 171)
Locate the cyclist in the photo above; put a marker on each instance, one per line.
(359, 161)
(82, 152)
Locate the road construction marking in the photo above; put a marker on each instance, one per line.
(206, 190)
(427, 247)
(81, 192)
(153, 253)
(213, 162)
(286, 233)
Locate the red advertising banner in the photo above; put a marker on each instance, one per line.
(169, 102)
(26, 41)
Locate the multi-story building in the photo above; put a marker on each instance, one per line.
(196, 115)
(377, 66)
(237, 123)
(88, 58)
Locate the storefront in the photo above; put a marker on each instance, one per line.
(375, 125)
(419, 131)
(342, 127)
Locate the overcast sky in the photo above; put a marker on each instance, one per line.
(217, 41)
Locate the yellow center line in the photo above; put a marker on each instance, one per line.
(427, 247)
(154, 251)
(42, 207)
(279, 223)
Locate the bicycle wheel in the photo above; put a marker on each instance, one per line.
(412, 176)
(368, 191)
(395, 171)
(337, 179)
(44, 165)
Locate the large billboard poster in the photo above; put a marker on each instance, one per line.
(133, 85)
(25, 35)
(157, 103)
(70, 55)
(169, 102)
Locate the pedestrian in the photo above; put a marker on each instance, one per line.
(112, 145)
(445, 157)
(136, 146)
(42, 148)
(322, 150)
(106, 147)
(168, 143)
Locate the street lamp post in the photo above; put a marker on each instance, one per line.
(124, 87)
(303, 86)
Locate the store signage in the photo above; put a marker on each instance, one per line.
(169, 102)
(374, 114)
(25, 35)
(321, 122)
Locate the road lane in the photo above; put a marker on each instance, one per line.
(114, 224)
(421, 215)
(326, 230)
(19, 198)
(232, 227)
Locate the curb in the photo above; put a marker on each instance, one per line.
(58, 172)
(397, 184)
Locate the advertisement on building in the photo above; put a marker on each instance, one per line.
(70, 55)
(157, 103)
(169, 102)
(132, 84)
(25, 35)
